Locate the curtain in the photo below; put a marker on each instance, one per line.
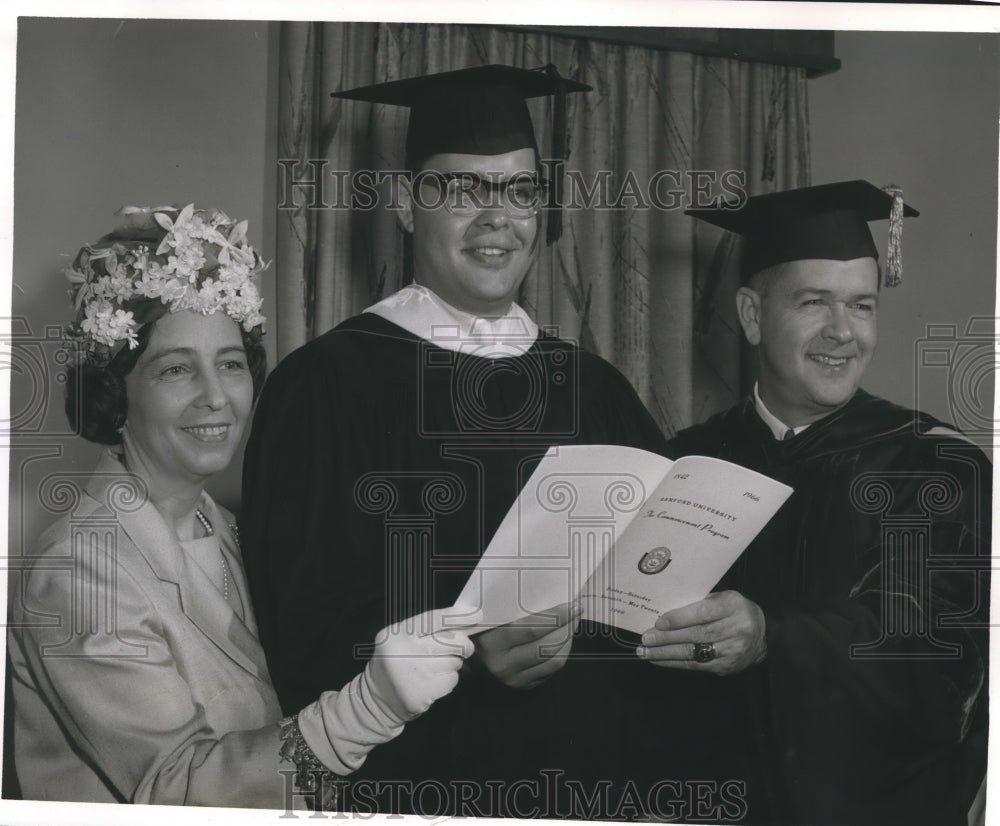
(632, 278)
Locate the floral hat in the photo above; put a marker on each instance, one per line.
(159, 260)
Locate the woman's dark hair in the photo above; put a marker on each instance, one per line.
(96, 405)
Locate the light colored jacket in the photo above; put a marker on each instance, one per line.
(133, 679)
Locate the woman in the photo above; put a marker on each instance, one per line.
(137, 674)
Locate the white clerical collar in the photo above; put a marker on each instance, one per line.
(425, 314)
(778, 427)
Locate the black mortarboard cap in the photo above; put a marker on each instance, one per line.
(475, 111)
(827, 221)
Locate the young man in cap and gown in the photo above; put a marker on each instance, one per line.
(869, 701)
(385, 453)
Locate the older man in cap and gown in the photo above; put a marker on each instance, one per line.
(869, 702)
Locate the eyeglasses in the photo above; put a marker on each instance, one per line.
(466, 193)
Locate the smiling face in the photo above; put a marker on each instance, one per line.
(476, 262)
(814, 323)
(189, 398)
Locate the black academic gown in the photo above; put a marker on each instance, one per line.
(873, 578)
(376, 472)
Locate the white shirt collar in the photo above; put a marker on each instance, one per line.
(425, 314)
(778, 427)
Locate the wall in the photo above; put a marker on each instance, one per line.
(108, 113)
(920, 110)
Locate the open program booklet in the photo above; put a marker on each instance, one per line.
(628, 533)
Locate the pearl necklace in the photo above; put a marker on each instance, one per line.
(210, 531)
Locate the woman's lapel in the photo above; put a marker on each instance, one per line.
(198, 597)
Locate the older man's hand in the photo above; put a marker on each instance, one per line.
(527, 651)
(721, 634)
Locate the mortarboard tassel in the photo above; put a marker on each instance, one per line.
(894, 255)
(553, 229)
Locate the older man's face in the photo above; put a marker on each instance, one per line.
(475, 262)
(814, 322)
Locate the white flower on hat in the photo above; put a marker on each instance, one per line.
(203, 263)
(108, 325)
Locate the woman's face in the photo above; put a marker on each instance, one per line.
(189, 398)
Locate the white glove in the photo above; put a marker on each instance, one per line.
(415, 663)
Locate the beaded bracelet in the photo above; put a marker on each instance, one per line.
(313, 780)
